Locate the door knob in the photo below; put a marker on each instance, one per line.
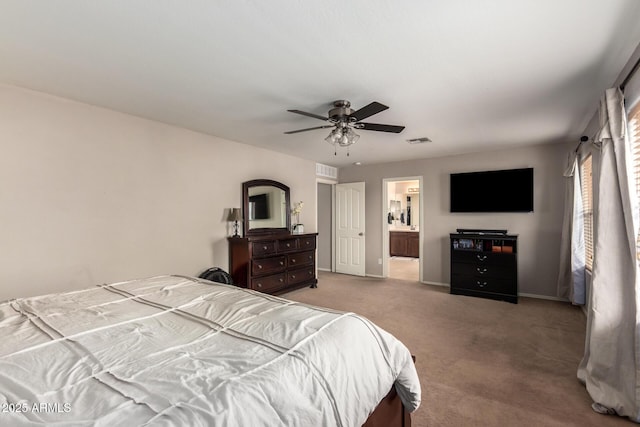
(361, 234)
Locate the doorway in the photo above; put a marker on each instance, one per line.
(401, 229)
(341, 227)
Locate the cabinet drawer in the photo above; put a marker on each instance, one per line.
(506, 270)
(267, 247)
(269, 283)
(307, 243)
(484, 284)
(300, 275)
(267, 265)
(300, 259)
(288, 245)
(482, 257)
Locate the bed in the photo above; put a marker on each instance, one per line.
(177, 350)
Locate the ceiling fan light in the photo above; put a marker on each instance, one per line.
(347, 137)
(334, 136)
(353, 137)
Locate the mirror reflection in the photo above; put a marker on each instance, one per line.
(267, 207)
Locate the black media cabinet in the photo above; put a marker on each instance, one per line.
(484, 264)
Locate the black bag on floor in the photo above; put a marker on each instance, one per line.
(216, 274)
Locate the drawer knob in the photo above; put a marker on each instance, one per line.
(259, 285)
(481, 271)
(481, 257)
(481, 284)
(281, 280)
(293, 260)
(260, 266)
(293, 276)
(281, 262)
(264, 248)
(288, 245)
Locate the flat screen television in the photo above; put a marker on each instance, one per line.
(492, 191)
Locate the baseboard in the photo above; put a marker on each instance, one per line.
(445, 285)
(543, 297)
(324, 269)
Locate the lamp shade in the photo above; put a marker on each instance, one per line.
(235, 214)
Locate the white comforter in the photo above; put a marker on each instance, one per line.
(181, 351)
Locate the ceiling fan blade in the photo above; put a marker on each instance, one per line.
(368, 110)
(380, 128)
(304, 130)
(304, 113)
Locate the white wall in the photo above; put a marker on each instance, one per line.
(539, 232)
(89, 195)
(325, 208)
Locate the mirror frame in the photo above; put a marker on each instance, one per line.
(246, 186)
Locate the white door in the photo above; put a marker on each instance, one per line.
(350, 238)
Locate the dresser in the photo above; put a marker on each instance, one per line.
(273, 263)
(485, 265)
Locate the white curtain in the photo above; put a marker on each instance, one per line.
(610, 366)
(571, 280)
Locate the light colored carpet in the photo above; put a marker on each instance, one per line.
(404, 268)
(480, 362)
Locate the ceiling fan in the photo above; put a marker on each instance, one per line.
(344, 120)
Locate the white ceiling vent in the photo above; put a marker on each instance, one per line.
(326, 171)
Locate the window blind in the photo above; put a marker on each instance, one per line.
(633, 124)
(634, 137)
(587, 209)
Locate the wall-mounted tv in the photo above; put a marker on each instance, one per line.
(492, 191)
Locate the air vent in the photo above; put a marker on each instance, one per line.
(326, 171)
(418, 140)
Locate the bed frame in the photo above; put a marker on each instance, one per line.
(390, 412)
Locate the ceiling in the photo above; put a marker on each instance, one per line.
(470, 75)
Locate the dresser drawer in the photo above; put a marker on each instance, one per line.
(300, 259)
(260, 266)
(479, 269)
(307, 243)
(484, 284)
(269, 283)
(288, 245)
(266, 247)
(481, 257)
(301, 275)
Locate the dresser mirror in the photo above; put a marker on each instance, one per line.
(265, 207)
